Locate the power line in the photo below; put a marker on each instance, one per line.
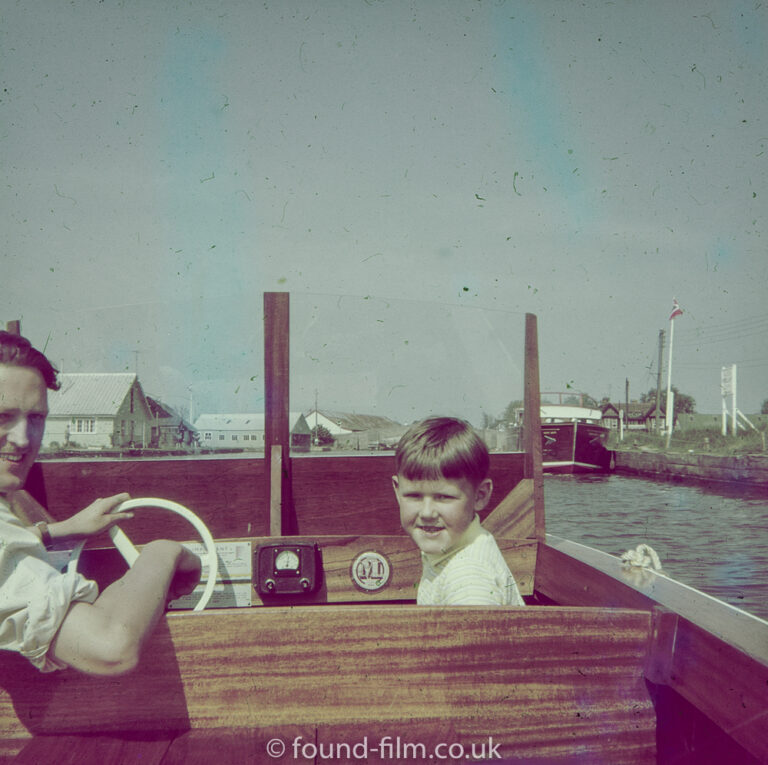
(725, 332)
(744, 363)
(734, 323)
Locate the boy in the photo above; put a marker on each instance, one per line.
(441, 483)
(60, 619)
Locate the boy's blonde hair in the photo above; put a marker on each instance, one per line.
(442, 447)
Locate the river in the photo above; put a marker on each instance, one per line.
(711, 536)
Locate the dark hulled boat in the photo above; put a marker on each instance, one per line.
(573, 439)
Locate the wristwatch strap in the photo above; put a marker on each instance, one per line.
(45, 535)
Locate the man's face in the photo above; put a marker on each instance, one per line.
(436, 513)
(23, 408)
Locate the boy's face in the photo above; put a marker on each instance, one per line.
(436, 513)
(23, 408)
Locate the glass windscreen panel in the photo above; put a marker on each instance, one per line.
(185, 376)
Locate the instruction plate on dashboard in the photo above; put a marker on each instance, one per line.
(234, 583)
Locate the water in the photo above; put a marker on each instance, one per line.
(711, 536)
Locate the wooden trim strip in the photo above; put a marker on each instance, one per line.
(532, 424)
(276, 491)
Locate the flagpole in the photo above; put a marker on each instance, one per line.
(670, 403)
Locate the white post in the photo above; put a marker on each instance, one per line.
(669, 417)
(317, 432)
(723, 394)
(670, 414)
(733, 399)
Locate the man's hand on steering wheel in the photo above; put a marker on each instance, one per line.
(92, 520)
(187, 575)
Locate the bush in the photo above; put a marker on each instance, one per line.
(321, 436)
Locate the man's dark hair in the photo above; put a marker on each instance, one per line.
(17, 351)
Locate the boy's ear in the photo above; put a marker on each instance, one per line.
(395, 483)
(483, 494)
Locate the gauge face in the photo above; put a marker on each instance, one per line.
(286, 560)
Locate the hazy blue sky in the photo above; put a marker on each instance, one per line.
(164, 163)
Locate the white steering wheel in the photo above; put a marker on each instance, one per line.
(130, 553)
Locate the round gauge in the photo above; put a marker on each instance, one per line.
(286, 560)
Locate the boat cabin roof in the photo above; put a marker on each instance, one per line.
(551, 413)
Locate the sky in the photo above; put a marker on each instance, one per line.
(418, 175)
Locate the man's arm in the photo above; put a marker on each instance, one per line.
(106, 637)
(94, 519)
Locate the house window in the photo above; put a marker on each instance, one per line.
(207, 436)
(246, 438)
(83, 426)
(234, 437)
(221, 436)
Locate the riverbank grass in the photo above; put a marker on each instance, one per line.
(694, 441)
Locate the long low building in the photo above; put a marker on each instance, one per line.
(356, 431)
(246, 431)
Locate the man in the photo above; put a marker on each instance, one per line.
(60, 619)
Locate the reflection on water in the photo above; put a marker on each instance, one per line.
(713, 537)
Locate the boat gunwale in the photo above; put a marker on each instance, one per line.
(733, 625)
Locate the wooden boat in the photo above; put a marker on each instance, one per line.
(604, 665)
(573, 439)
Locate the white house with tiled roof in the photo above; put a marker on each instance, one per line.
(98, 410)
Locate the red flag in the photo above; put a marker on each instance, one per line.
(676, 310)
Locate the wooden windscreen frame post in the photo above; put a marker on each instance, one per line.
(534, 468)
(14, 327)
(276, 413)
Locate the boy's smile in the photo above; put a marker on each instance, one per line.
(436, 513)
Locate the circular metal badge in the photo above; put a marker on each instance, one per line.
(370, 571)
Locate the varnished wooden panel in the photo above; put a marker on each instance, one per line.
(85, 750)
(331, 494)
(228, 494)
(353, 495)
(541, 681)
(716, 658)
(514, 515)
(238, 746)
(740, 705)
(339, 553)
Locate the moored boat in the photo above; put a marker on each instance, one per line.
(606, 663)
(574, 440)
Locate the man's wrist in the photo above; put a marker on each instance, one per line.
(45, 534)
